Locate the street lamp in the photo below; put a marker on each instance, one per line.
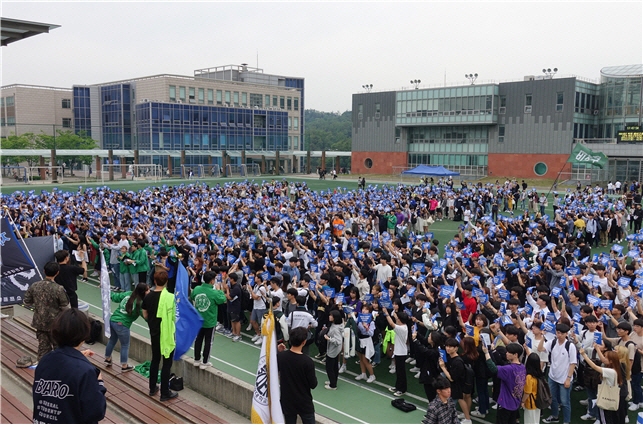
(472, 77)
(416, 83)
(549, 73)
(368, 87)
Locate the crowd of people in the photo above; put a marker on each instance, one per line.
(516, 298)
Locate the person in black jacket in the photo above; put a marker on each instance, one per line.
(67, 388)
(427, 357)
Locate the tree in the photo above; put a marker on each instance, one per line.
(67, 140)
(18, 142)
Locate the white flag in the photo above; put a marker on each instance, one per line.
(266, 407)
(105, 289)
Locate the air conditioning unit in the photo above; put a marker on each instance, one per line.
(527, 109)
(503, 110)
(145, 100)
(595, 112)
(528, 78)
(256, 107)
(179, 102)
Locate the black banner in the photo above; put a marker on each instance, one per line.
(14, 286)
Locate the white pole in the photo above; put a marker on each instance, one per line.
(6, 208)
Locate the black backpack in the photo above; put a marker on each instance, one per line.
(543, 395)
(404, 406)
(95, 332)
(246, 300)
(567, 345)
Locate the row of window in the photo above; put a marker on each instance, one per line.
(195, 141)
(445, 147)
(447, 160)
(232, 98)
(7, 101)
(11, 121)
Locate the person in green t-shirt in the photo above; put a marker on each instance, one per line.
(206, 298)
(129, 309)
(391, 222)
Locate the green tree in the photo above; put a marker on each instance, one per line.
(18, 142)
(67, 140)
(328, 131)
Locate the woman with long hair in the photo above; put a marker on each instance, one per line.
(334, 338)
(129, 309)
(366, 349)
(534, 375)
(613, 374)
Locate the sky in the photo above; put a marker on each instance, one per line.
(336, 46)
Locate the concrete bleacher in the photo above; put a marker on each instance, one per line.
(127, 393)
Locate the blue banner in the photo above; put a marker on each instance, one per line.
(188, 319)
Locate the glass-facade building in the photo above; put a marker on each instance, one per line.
(82, 111)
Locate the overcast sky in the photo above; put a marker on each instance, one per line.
(336, 47)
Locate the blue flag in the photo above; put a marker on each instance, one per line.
(188, 319)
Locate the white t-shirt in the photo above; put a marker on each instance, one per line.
(561, 359)
(401, 335)
(544, 356)
(383, 272)
(259, 303)
(610, 377)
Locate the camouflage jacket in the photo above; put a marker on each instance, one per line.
(48, 299)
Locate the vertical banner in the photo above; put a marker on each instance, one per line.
(105, 293)
(13, 258)
(188, 319)
(15, 285)
(266, 407)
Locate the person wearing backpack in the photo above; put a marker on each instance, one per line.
(512, 377)
(533, 398)
(455, 370)
(562, 362)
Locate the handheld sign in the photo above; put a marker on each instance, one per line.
(549, 327)
(486, 339)
(443, 355)
(556, 292)
(469, 329)
(368, 297)
(504, 294)
(329, 292)
(386, 303)
(598, 338)
(365, 318)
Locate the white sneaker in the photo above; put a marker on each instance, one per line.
(255, 337)
(408, 360)
(495, 406)
(327, 382)
(249, 327)
(477, 414)
(196, 363)
(641, 405)
(342, 369)
(413, 362)
(370, 379)
(583, 402)
(415, 370)
(466, 421)
(588, 417)
(627, 418)
(236, 338)
(330, 387)
(633, 407)
(460, 415)
(205, 366)
(392, 370)
(417, 375)
(259, 340)
(361, 377)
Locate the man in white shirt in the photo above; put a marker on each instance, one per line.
(259, 295)
(563, 360)
(384, 271)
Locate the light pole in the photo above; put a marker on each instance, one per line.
(416, 83)
(549, 73)
(472, 78)
(368, 87)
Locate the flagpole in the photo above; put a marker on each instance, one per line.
(6, 208)
(556, 180)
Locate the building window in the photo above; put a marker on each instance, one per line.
(377, 108)
(503, 101)
(501, 134)
(267, 104)
(182, 93)
(66, 122)
(560, 96)
(210, 96)
(282, 103)
(296, 106)
(289, 143)
(172, 93)
(528, 100)
(201, 96)
(368, 163)
(289, 103)
(296, 123)
(219, 98)
(244, 99)
(256, 100)
(236, 99)
(66, 102)
(192, 95)
(9, 101)
(227, 97)
(540, 168)
(275, 102)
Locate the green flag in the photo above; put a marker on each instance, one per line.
(582, 154)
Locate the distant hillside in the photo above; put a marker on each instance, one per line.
(327, 131)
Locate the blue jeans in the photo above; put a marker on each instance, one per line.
(483, 394)
(637, 392)
(591, 395)
(560, 396)
(126, 281)
(117, 274)
(377, 357)
(119, 332)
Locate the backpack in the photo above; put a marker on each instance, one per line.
(543, 395)
(636, 364)
(95, 332)
(246, 300)
(567, 344)
(404, 406)
(468, 378)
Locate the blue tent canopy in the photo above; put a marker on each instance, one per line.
(430, 170)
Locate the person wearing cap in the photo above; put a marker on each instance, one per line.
(441, 410)
(563, 361)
